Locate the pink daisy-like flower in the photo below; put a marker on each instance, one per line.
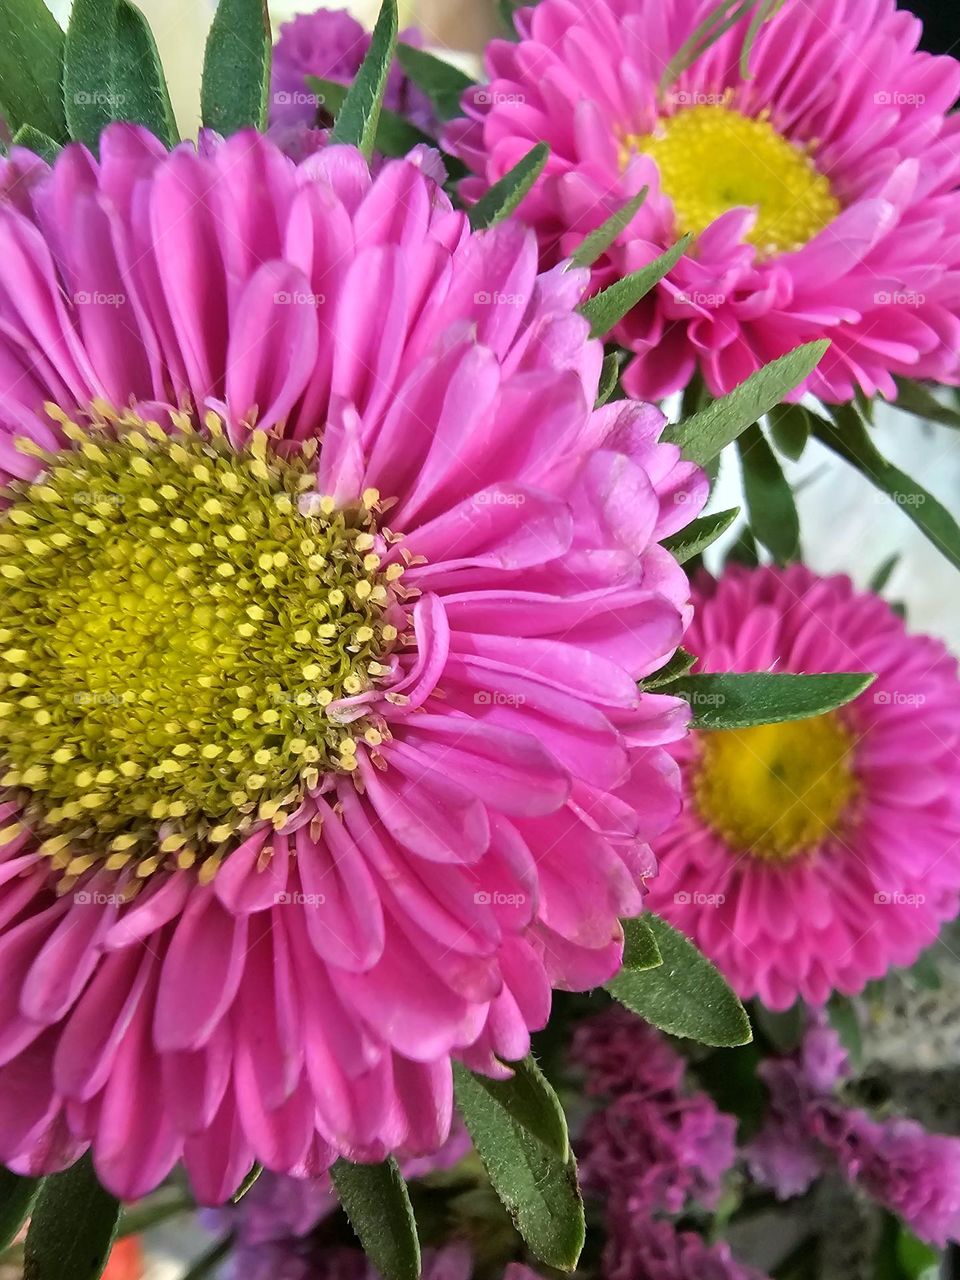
(814, 855)
(326, 596)
(822, 190)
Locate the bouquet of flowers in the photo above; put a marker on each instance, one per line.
(436, 836)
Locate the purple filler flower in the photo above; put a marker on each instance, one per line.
(642, 1249)
(331, 44)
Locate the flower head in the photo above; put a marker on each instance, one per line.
(655, 1145)
(655, 1250)
(816, 854)
(823, 204)
(326, 597)
(330, 44)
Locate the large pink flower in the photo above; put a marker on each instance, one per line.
(822, 189)
(326, 596)
(814, 855)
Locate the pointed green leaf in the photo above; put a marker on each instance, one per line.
(678, 666)
(766, 9)
(443, 84)
(922, 402)
(39, 143)
(685, 995)
(504, 196)
(376, 1200)
(529, 1100)
(720, 19)
(848, 437)
(253, 1174)
(640, 950)
(538, 1189)
(734, 700)
(770, 506)
(609, 377)
(597, 242)
(236, 67)
(357, 119)
(72, 1228)
(790, 429)
(699, 534)
(112, 72)
(17, 1197)
(31, 68)
(606, 309)
(884, 573)
(703, 436)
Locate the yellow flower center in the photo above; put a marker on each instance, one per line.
(776, 790)
(712, 158)
(176, 619)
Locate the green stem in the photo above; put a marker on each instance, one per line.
(206, 1263)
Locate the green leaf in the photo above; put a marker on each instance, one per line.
(609, 377)
(640, 950)
(844, 1019)
(717, 23)
(707, 432)
(236, 67)
(884, 573)
(744, 550)
(376, 1200)
(529, 1100)
(700, 534)
(598, 241)
(112, 72)
(848, 437)
(504, 196)
(607, 308)
(357, 120)
(790, 429)
(783, 1028)
(443, 84)
(72, 1228)
(17, 1196)
(678, 666)
(741, 700)
(770, 506)
(538, 1189)
(37, 142)
(685, 996)
(31, 67)
(922, 402)
(253, 1174)
(766, 10)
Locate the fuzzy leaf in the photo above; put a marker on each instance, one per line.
(39, 143)
(770, 506)
(358, 118)
(640, 950)
(72, 1228)
(703, 436)
(236, 67)
(504, 196)
(922, 402)
(685, 995)
(31, 68)
(529, 1100)
(678, 666)
(538, 1189)
(735, 700)
(790, 429)
(376, 1200)
(17, 1196)
(700, 534)
(443, 84)
(606, 309)
(609, 377)
(395, 136)
(848, 437)
(600, 240)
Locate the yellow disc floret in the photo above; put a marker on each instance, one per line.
(776, 790)
(713, 158)
(177, 618)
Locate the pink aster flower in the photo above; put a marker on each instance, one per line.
(331, 45)
(814, 855)
(656, 1145)
(822, 190)
(326, 596)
